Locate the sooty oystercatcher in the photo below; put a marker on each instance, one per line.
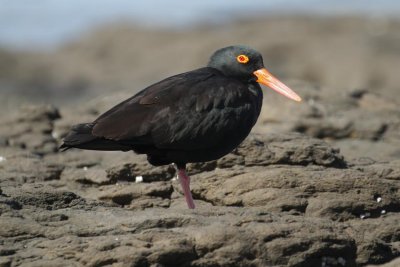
(196, 116)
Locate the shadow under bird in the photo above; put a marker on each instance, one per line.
(196, 116)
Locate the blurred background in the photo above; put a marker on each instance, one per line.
(342, 56)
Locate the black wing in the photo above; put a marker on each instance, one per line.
(182, 111)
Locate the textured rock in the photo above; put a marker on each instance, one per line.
(393, 263)
(31, 127)
(140, 195)
(205, 238)
(24, 167)
(281, 200)
(130, 171)
(49, 200)
(291, 149)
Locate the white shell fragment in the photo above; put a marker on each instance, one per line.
(55, 134)
(85, 168)
(379, 199)
(2, 159)
(383, 211)
(138, 179)
(365, 215)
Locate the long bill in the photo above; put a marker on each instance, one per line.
(266, 78)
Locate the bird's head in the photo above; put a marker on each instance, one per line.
(245, 63)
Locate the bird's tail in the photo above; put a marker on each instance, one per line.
(80, 136)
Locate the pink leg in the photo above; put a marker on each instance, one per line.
(184, 179)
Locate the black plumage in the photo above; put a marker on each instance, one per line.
(195, 116)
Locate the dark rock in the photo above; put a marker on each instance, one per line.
(14, 229)
(15, 205)
(357, 93)
(377, 239)
(6, 251)
(5, 262)
(336, 128)
(138, 195)
(50, 200)
(28, 168)
(231, 160)
(51, 217)
(291, 149)
(281, 194)
(393, 263)
(375, 252)
(129, 172)
(3, 143)
(31, 128)
(199, 167)
(97, 176)
(38, 113)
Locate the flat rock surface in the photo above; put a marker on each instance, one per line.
(276, 200)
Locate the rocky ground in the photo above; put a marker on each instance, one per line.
(280, 199)
(315, 184)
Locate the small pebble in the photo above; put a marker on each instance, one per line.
(2, 159)
(116, 239)
(341, 261)
(55, 135)
(383, 211)
(85, 168)
(139, 179)
(379, 199)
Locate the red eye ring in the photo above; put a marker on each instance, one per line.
(242, 59)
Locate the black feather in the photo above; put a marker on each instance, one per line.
(195, 116)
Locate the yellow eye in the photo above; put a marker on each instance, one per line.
(242, 59)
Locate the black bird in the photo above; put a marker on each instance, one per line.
(196, 116)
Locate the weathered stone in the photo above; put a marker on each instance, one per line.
(31, 129)
(129, 172)
(293, 198)
(50, 200)
(38, 113)
(132, 195)
(28, 168)
(393, 263)
(292, 149)
(96, 176)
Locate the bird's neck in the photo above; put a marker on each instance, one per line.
(227, 73)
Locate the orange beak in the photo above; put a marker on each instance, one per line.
(266, 78)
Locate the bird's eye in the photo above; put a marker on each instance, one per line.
(242, 59)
